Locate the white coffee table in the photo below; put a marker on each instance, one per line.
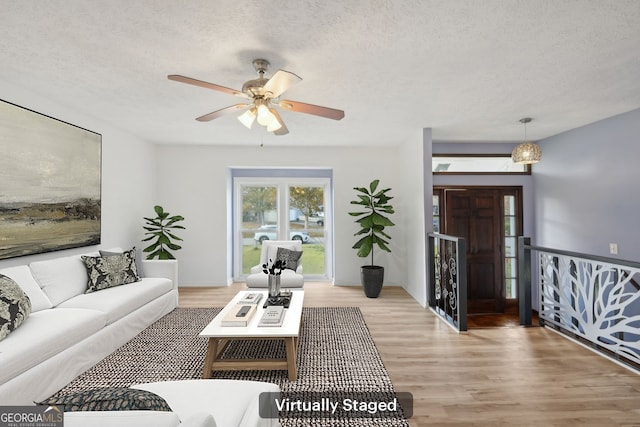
(220, 336)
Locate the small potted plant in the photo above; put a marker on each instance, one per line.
(161, 228)
(372, 222)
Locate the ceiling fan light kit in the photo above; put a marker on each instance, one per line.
(263, 94)
(247, 118)
(527, 152)
(274, 124)
(265, 117)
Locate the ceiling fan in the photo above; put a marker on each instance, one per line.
(263, 93)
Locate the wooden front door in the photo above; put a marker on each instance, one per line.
(475, 215)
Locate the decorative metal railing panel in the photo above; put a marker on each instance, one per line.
(594, 299)
(447, 292)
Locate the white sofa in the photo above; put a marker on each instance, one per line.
(289, 278)
(69, 331)
(195, 403)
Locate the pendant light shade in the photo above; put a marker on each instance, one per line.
(527, 152)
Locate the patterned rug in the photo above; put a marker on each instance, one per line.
(336, 355)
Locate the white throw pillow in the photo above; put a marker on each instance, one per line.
(61, 278)
(22, 276)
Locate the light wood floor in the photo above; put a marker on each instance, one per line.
(487, 377)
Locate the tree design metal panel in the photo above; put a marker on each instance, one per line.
(594, 300)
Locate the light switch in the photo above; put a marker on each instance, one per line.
(613, 248)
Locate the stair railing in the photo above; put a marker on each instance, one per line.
(447, 288)
(592, 299)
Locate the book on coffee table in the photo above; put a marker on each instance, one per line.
(239, 315)
(273, 315)
(251, 298)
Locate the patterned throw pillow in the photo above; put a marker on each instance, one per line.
(139, 265)
(15, 305)
(110, 399)
(292, 258)
(109, 271)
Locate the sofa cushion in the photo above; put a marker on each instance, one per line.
(119, 301)
(60, 278)
(118, 251)
(290, 258)
(23, 277)
(288, 279)
(121, 419)
(110, 399)
(214, 396)
(15, 306)
(110, 271)
(43, 335)
(199, 419)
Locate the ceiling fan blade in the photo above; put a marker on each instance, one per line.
(316, 110)
(195, 82)
(222, 112)
(283, 129)
(280, 82)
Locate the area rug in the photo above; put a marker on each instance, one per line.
(336, 355)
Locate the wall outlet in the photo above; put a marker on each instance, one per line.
(613, 248)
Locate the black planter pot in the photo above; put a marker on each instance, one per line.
(371, 277)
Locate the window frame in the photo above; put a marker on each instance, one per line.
(474, 156)
(282, 178)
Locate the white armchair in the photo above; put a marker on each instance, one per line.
(289, 278)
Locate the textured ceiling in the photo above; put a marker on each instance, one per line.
(468, 69)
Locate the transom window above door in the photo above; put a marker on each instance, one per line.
(477, 164)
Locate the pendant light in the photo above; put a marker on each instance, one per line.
(527, 152)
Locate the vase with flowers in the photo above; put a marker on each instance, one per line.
(274, 269)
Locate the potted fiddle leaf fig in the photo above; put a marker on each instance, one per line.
(372, 220)
(161, 228)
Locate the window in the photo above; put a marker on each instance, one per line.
(476, 164)
(282, 208)
(510, 247)
(436, 211)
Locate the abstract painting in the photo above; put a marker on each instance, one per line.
(50, 180)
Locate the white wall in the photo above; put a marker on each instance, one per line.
(586, 189)
(416, 185)
(193, 181)
(128, 171)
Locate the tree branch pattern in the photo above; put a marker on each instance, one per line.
(595, 300)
